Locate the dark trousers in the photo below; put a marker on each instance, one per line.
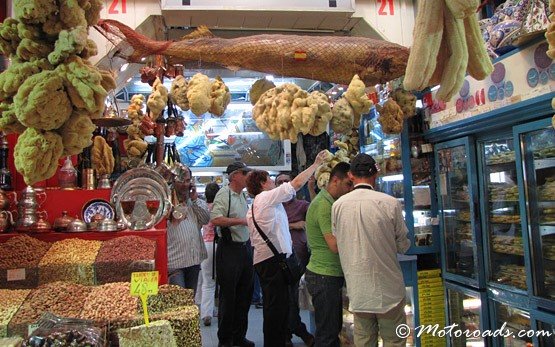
(234, 274)
(276, 302)
(296, 325)
(328, 307)
(186, 277)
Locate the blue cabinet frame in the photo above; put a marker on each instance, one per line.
(537, 317)
(479, 281)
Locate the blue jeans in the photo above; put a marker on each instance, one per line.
(328, 307)
(186, 277)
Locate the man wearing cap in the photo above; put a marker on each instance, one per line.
(234, 265)
(370, 231)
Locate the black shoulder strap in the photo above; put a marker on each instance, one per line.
(264, 237)
(228, 202)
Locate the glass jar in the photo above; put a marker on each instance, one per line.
(67, 176)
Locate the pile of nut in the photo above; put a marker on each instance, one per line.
(60, 298)
(69, 260)
(21, 251)
(110, 302)
(11, 301)
(119, 257)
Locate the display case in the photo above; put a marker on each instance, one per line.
(509, 316)
(468, 310)
(543, 324)
(211, 143)
(406, 168)
(506, 266)
(536, 154)
(460, 231)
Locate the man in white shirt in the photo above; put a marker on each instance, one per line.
(370, 231)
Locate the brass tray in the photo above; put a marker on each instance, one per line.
(141, 185)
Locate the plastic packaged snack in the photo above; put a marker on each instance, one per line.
(56, 331)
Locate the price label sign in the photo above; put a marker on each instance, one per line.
(144, 284)
(31, 328)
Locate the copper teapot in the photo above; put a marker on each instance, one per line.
(61, 223)
(41, 225)
(6, 220)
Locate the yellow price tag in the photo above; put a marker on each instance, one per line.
(144, 284)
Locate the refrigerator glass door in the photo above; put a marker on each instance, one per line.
(459, 242)
(538, 152)
(465, 311)
(502, 214)
(512, 321)
(544, 340)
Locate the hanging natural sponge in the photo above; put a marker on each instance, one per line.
(198, 93)
(102, 157)
(219, 97)
(178, 92)
(158, 99)
(258, 88)
(357, 97)
(36, 154)
(42, 101)
(343, 116)
(77, 132)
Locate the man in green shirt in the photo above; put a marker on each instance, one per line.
(324, 277)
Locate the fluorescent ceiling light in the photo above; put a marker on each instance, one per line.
(269, 77)
(435, 88)
(124, 67)
(392, 178)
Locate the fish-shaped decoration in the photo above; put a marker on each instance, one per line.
(334, 59)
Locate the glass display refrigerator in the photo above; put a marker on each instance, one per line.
(467, 309)
(543, 324)
(536, 158)
(506, 266)
(460, 229)
(406, 168)
(509, 315)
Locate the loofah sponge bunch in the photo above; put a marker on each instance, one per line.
(550, 33)
(447, 44)
(50, 91)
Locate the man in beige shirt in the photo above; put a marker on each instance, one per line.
(370, 231)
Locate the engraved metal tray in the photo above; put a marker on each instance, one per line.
(141, 185)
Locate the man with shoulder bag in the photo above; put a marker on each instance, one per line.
(234, 269)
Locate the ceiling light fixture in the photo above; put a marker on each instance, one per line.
(124, 67)
(269, 77)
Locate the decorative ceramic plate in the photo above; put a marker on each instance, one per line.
(145, 195)
(95, 206)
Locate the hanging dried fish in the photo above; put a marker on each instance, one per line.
(325, 58)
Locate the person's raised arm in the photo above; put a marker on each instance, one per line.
(299, 181)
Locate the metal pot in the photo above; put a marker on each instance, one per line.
(107, 225)
(76, 226)
(61, 223)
